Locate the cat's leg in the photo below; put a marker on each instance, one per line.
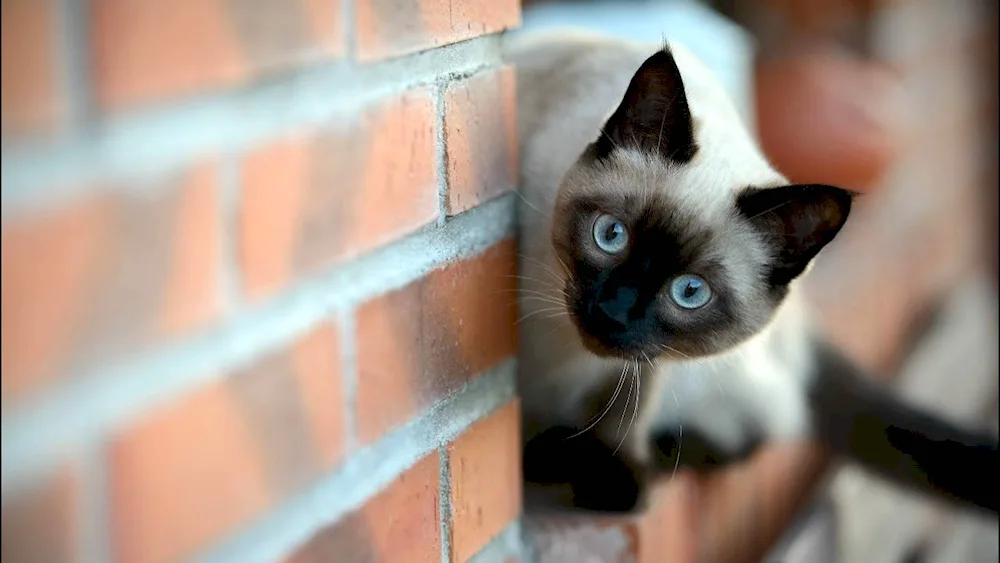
(627, 449)
(691, 447)
(606, 462)
(719, 420)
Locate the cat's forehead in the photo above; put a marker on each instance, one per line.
(702, 190)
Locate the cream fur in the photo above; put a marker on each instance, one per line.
(568, 84)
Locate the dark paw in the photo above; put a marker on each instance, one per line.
(600, 479)
(694, 450)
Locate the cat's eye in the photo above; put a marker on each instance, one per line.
(610, 234)
(690, 291)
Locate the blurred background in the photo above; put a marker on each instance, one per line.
(250, 253)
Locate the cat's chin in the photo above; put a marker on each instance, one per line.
(644, 354)
(601, 349)
(614, 346)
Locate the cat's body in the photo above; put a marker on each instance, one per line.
(553, 137)
(694, 195)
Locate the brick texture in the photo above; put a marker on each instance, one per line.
(29, 88)
(195, 470)
(485, 469)
(39, 523)
(937, 205)
(399, 524)
(139, 56)
(37, 333)
(670, 530)
(130, 256)
(421, 342)
(330, 195)
(388, 28)
(480, 128)
(89, 281)
(734, 515)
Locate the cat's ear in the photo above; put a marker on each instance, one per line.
(798, 220)
(654, 115)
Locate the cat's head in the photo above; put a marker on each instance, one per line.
(678, 238)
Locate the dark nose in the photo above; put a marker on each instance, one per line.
(618, 305)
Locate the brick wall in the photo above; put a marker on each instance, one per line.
(257, 271)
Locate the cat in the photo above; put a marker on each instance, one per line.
(661, 257)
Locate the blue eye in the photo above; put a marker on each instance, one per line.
(690, 291)
(610, 234)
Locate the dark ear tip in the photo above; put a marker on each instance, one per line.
(846, 197)
(848, 192)
(664, 56)
(849, 195)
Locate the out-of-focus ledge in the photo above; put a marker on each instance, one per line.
(735, 515)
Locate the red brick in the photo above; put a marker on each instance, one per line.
(400, 524)
(49, 270)
(480, 131)
(668, 530)
(319, 198)
(193, 471)
(149, 50)
(734, 515)
(421, 342)
(388, 28)
(189, 296)
(39, 521)
(485, 469)
(30, 99)
(744, 510)
(107, 275)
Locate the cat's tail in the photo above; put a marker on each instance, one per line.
(873, 427)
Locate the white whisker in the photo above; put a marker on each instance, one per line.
(544, 283)
(648, 361)
(614, 397)
(531, 205)
(637, 377)
(676, 351)
(628, 400)
(680, 438)
(537, 312)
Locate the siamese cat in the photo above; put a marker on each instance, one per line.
(660, 316)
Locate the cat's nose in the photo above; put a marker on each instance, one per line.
(619, 316)
(618, 306)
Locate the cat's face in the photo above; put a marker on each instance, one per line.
(667, 256)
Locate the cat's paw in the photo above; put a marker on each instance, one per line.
(694, 449)
(611, 485)
(600, 479)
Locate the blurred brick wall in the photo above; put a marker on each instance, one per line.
(919, 234)
(928, 236)
(257, 274)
